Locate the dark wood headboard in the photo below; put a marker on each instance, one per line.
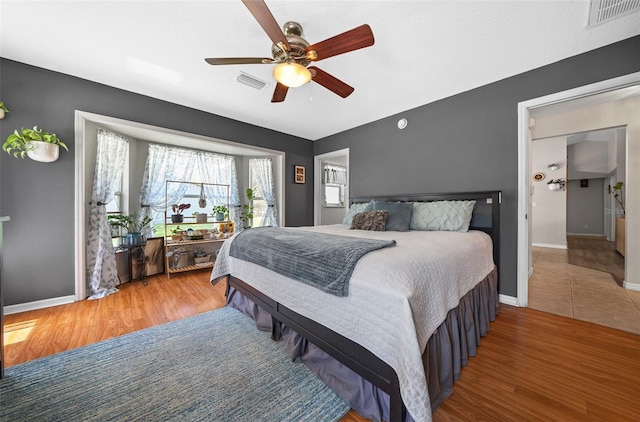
(486, 214)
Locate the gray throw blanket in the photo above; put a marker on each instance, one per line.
(323, 261)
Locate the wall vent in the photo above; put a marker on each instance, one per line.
(601, 11)
(252, 81)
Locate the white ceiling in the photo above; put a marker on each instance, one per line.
(424, 51)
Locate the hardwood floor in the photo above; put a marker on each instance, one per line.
(532, 365)
(30, 335)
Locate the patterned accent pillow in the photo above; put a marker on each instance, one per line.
(370, 220)
(354, 209)
(442, 215)
(399, 214)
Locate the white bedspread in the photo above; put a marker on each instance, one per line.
(398, 296)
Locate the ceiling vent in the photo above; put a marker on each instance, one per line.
(601, 11)
(252, 81)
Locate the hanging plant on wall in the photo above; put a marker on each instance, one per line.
(35, 144)
(556, 184)
(3, 109)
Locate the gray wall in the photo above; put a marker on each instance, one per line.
(585, 207)
(462, 143)
(469, 142)
(39, 197)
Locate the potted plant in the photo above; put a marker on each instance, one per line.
(200, 217)
(133, 226)
(177, 216)
(3, 109)
(617, 194)
(246, 214)
(621, 231)
(177, 233)
(35, 144)
(220, 212)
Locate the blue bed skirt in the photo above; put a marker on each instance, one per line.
(447, 350)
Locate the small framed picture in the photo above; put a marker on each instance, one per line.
(300, 174)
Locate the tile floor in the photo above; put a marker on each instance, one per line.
(582, 293)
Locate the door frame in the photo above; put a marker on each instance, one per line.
(524, 166)
(317, 181)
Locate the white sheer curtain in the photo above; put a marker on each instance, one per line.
(101, 262)
(234, 209)
(179, 164)
(262, 171)
(220, 169)
(334, 174)
(165, 163)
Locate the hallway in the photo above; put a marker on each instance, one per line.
(590, 292)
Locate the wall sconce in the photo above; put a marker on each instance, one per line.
(557, 184)
(553, 166)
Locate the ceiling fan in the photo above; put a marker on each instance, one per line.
(292, 54)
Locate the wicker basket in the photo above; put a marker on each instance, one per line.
(183, 259)
(201, 259)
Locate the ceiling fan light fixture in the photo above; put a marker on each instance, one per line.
(291, 74)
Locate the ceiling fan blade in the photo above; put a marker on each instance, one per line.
(354, 39)
(262, 14)
(239, 60)
(330, 82)
(280, 93)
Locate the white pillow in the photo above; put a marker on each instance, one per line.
(355, 209)
(442, 215)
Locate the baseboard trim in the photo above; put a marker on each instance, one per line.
(549, 245)
(38, 304)
(587, 234)
(508, 300)
(46, 303)
(631, 286)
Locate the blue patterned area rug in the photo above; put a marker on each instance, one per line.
(212, 367)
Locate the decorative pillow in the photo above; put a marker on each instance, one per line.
(442, 215)
(399, 214)
(370, 220)
(354, 209)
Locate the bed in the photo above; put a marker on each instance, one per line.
(393, 346)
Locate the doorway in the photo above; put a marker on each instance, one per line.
(333, 211)
(626, 115)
